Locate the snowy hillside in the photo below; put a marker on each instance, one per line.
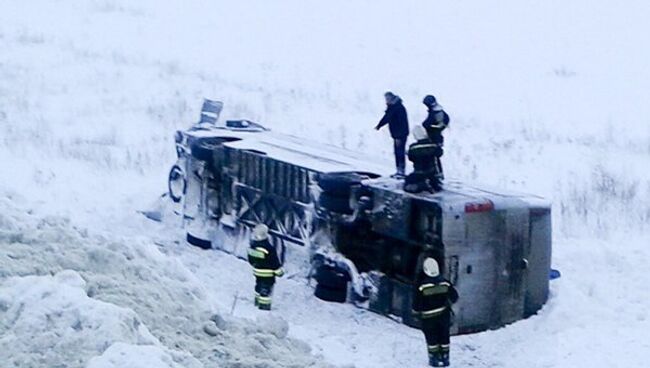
(545, 97)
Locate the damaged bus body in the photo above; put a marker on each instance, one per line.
(327, 206)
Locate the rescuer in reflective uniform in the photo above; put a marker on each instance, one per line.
(266, 266)
(436, 122)
(425, 157)
(432, 304)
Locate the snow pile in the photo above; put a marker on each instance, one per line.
(54, 314)
(121, 355)
(119, 285)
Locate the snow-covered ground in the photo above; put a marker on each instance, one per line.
(545, 97)
(116, 300)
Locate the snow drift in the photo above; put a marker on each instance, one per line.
(125, 302)
(55, 314)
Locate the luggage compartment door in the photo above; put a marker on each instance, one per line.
(475, 281)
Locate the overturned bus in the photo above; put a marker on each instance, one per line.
(332, 209)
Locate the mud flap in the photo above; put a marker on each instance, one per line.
(380, 297)
(403, 303)
(554, 274)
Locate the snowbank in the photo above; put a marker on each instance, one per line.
(51, 320)
(126, 304)
(121, 355)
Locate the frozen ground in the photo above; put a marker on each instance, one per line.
(546, 97)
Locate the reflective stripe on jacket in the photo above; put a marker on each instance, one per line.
(264, 259)
(433, 297)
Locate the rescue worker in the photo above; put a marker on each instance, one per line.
(424, 154)
(397, 120)
(432, 304)
(436, 122)
(266, 266)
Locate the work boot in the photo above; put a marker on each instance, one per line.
(264, 307)
(445, 359)
(434, 360)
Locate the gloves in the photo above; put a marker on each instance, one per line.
(279, 272)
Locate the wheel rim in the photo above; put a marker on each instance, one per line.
(177, 183)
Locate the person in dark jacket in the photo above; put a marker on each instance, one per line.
(432, 304)
(397, 121)
(266, 266)
(436, 122)
(424, 154)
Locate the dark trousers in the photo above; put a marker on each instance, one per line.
(263, 291)
(439, 173)
(400, 154)
(436, 332)
(419, 181)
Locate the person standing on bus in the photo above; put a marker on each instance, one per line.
(397, 120)
(436, 122)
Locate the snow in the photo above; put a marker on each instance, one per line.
(545, 97)
(282, 147)
(54, 314)
(120, 355)
(73, 298)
